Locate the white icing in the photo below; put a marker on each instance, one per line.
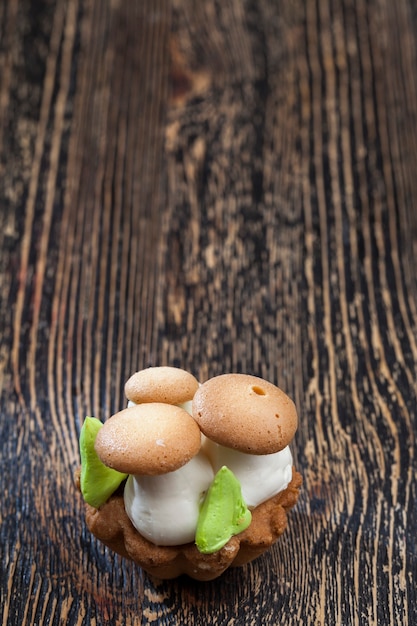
(165, 508)
(261, 476)
(187, 406)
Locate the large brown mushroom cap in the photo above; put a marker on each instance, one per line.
(246, 413)
(149, 439)
(161, 384)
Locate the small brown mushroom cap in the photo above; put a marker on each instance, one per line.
(245, 413)
(148, 439)
(172, 385)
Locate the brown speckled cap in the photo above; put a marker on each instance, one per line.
(149, 439)
(161, 384)
(246, 413)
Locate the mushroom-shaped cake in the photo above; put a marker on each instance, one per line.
(158, 445)
(248, 423)
(171, 385)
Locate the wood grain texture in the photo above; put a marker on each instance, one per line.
(223, 186)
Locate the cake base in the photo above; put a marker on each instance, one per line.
(111, 525)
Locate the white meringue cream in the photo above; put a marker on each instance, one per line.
(187, 406)
(261, 476)
(165, 508)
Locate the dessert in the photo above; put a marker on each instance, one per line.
(248, 423)
(202, 475)
(158, 446)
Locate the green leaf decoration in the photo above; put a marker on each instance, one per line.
(223, 513)
(97, 481)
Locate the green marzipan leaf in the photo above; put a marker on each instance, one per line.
(223, 513)
(97, 481)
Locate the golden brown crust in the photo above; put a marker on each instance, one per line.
(246, 413)
(112, 526)
(161, 384)
(148, 439)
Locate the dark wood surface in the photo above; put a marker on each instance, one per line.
(223, 186)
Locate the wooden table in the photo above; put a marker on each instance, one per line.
(220, 186)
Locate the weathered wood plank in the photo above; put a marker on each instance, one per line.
(224, 187)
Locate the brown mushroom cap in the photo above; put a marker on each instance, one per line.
(148, 439)
(161, 384)
(246, 413)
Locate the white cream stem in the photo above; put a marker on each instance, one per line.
(261, 476)
(165, 508)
